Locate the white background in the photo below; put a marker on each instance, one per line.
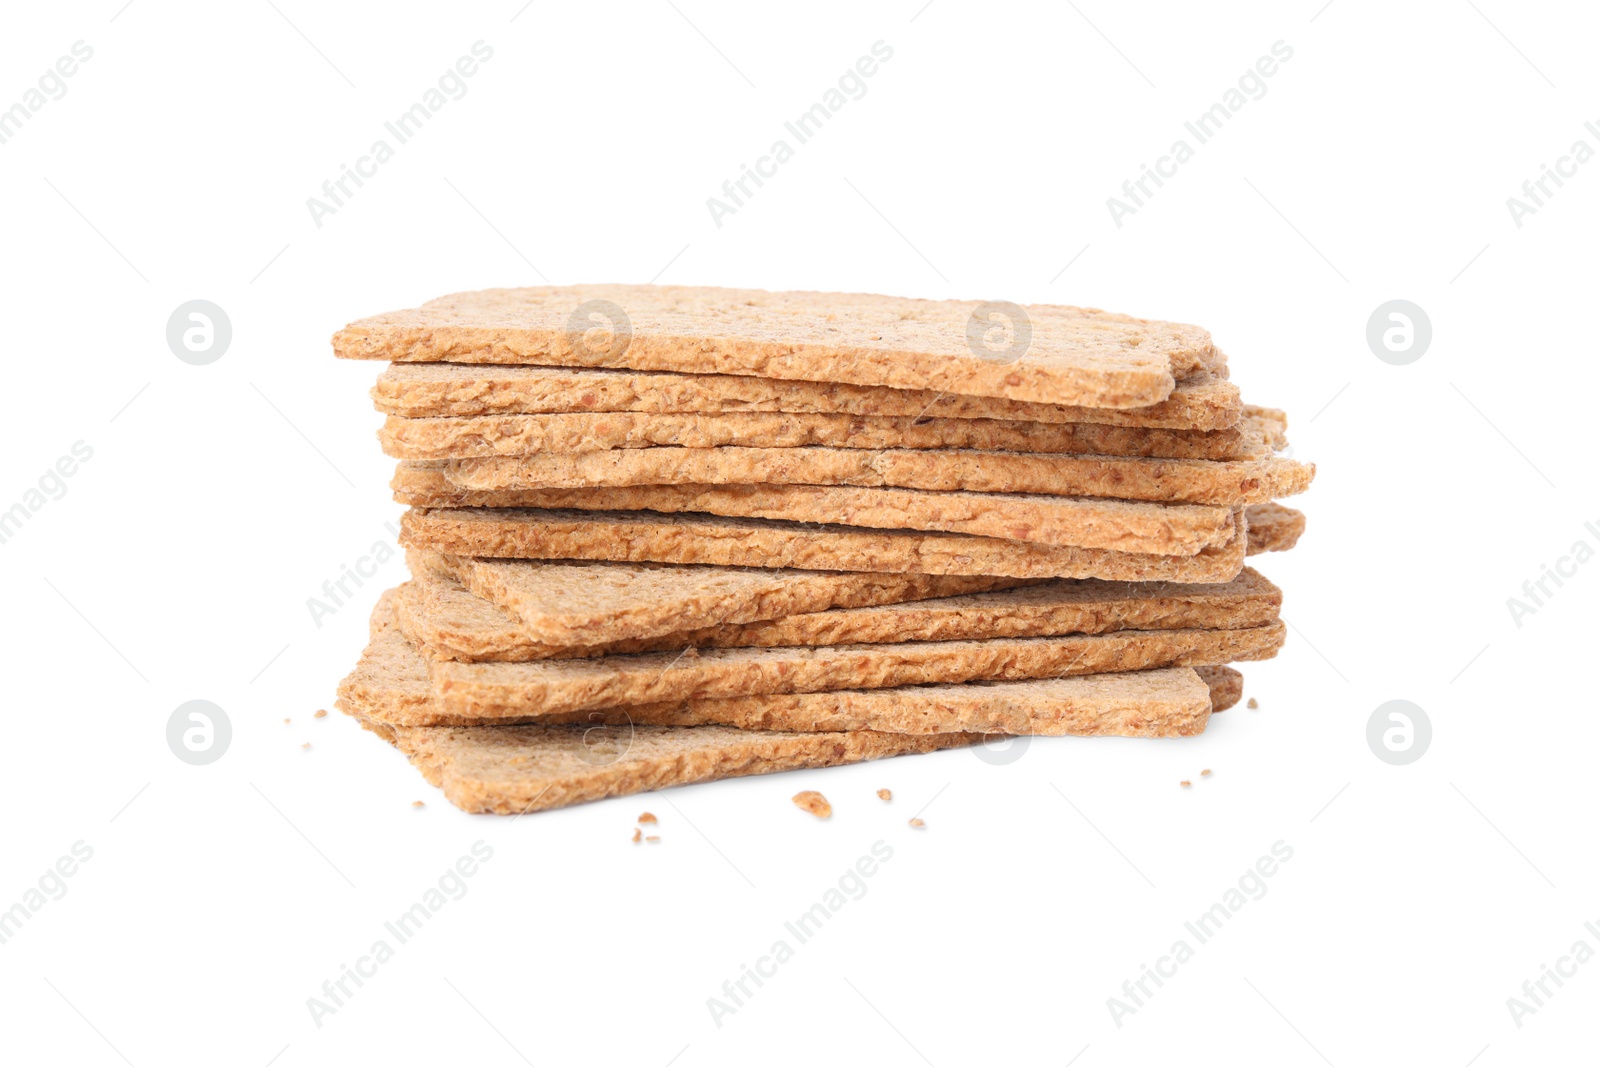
(219, 498)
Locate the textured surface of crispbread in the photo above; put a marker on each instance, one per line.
(391, 683)
(705, 539)
(1225, 683)
(1085, 522)
(1256, 436)
(579, 602)
(1075, 356)
(1190, 481)
(512, 770)
(1274, 528)
(450, 622)
(1201, 402)
(498, 691)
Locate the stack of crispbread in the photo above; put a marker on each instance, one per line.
(664, 535)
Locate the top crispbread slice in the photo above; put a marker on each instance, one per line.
(1201, 402)
(1055, 355)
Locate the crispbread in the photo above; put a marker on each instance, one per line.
(511, 691)
(1200, 402)
(1191, 481)
(693, 538)
(579, 602)
(1225, 683)
(1069, 356)
(1256, 436)
(391, 685)
(1274, 527)
(1086, 522)
(513, 770)
(449, 621)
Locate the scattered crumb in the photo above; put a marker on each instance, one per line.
(647, 818)
(1185, 783)
(884, 794)
(653, 839)
(637, 835)
(418, 804)
(1206, 773)
(917, 824)
(1251, 704)
(286, 722)
(322, 713)
(307, 745)
(814, 802)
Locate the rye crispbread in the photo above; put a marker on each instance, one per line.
(1072, 356)
(1187, 481)
(1202, 402)
(1225, 683)
(527, 691)
(513, 770)
(449, 621)
(391, 685)
(1274, 527)
(1257, 435)
(578, 602)
(1085, 522)
(704, 539)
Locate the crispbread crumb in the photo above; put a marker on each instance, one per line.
(1206, 773)
(637, 835)
(814, 802)
(653, 839)
(306, 746)
(884, 794)
(647, 818)
(917, 824)
(286, 722)
(1185, 783)
(418, 804)
(1251, 704)
(322, 713)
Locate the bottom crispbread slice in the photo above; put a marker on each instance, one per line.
(513, 770)
(391, 685)
(525, 533)
(1225, 683)
(449, 621)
